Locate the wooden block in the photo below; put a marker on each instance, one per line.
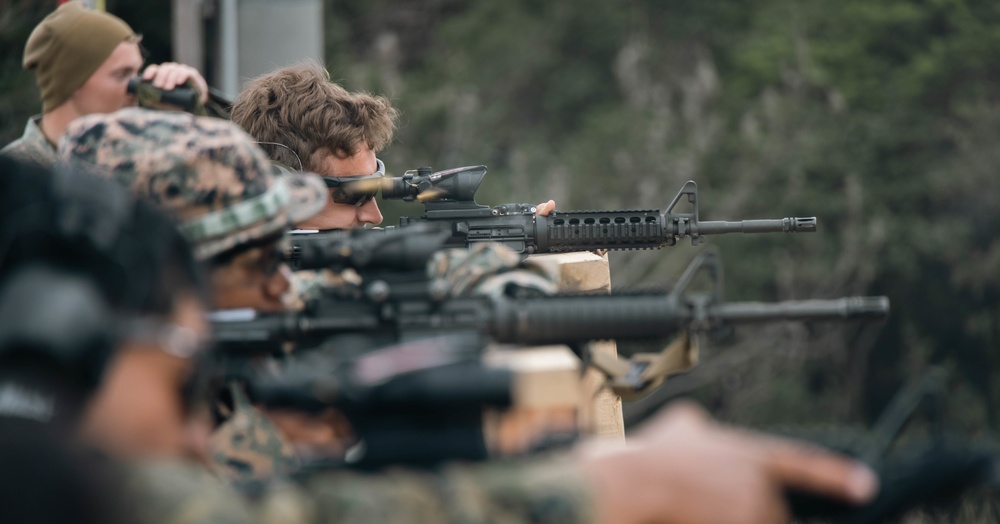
(546, 398)
(546, 376)
(583, 271)
(601, 411)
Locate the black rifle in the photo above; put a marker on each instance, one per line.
(418, 404)
(449, 199)
(913, 471)
(421, 401)
(396, 302)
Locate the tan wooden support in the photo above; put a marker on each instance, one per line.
(546, 397)
(600, 410)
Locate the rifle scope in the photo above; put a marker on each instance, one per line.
(458, 184)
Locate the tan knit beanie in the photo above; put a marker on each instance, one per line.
(68, 46)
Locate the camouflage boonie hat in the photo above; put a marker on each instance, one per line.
(206, 171)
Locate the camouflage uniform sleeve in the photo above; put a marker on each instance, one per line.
(488, 268)
(550, 491)
(310, 284)
(175, 492)
(248, 446)
(31, 147)
(167, 492)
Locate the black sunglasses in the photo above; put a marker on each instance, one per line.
(355, 190)
(274, 246)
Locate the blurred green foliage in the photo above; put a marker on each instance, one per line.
(881, 118)
(18, 94)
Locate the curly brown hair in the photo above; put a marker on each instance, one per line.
(299, 107)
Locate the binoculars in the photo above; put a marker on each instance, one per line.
(181, 96)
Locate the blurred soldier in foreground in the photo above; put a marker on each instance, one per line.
(53, 343)
(100, 319)
(83, 60)
(141, 268)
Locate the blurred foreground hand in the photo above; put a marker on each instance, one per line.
(683, 468)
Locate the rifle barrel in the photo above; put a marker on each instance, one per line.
(554, 320)
(849, 308)
(550, 320)
(776, 225)
(642, 229)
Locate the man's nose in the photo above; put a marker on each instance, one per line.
(369, 213)
(279, 283)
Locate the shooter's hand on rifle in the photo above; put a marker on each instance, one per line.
(545, 208)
